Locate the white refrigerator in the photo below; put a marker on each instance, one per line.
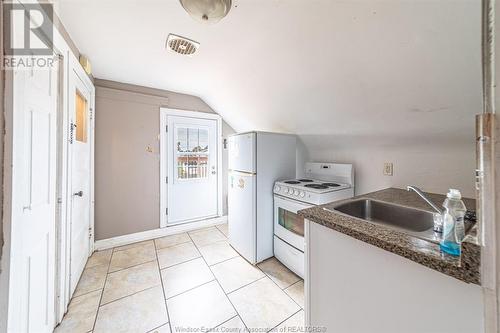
(256, 161)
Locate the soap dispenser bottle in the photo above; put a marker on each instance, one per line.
(453, 223)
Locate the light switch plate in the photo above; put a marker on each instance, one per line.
(388, 169)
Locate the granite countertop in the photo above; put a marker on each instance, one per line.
(465, 268)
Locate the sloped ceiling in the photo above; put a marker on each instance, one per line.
(407, 69)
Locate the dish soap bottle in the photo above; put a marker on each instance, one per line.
(453, 223)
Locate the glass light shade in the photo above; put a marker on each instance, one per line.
(207, 11)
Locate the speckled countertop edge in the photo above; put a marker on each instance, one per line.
(465, 268)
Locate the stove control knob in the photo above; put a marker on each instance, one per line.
(302, 194)
(285, 190)
(296, 192)
(277, 188)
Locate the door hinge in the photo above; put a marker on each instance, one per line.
(166, 180)
(166, 211)
(90, 232)
(91, 113)
(166, 128)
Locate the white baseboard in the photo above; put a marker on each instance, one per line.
(108, 243)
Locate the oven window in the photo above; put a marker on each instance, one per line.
(291, 221)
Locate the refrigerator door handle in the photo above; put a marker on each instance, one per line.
(242, 173)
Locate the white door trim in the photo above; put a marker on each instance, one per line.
(71, 66)
(164, 113)
(75, 69)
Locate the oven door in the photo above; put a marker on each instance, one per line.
(287, 224)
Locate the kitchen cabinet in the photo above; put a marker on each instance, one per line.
(352, 286)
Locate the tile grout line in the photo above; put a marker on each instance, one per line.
(300, 279)
(180, 263)
(84, 294)
(212, 243)
(163, 289)
(102, 293)
(237, 256)
(166, 247)
(246, 285)
(213, 329)
(217, 226)
(227, 297)
(293, 284)
(156, 328)
(190, 289)
(134, 293)
(133, 247)
(196, 231)
(133, 266)
(285, 320)
(282, 289)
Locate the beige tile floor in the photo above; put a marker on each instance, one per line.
(191, 282)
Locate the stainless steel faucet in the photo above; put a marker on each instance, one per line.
(423, 196)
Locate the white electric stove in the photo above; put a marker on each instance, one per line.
(314, 191)
(322, 183)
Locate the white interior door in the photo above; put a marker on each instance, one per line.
(80, 139)
(32, 295)
(192, 169)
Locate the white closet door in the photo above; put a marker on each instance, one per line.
(32, 295)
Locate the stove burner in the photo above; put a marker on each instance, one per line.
(306, 180)
(331, 184)
(292, 182)
(316, 186)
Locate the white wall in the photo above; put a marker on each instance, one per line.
(434, 166)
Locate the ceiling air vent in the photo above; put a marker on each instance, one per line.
(181, 45)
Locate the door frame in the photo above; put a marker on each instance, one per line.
(69, 65)
(76, 72)
(164, 165)
(63, 294)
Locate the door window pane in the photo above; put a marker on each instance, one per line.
(81, 117)
(291, 221)
(192, 153)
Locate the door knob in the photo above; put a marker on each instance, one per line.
(79, 193)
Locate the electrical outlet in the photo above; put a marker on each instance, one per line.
(388, 169)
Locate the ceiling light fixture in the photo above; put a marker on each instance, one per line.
(207, 11)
